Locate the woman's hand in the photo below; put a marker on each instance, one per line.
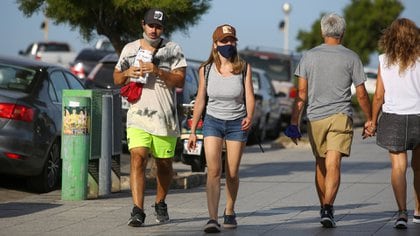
(192, 141)
(369, 129)
(246, 123)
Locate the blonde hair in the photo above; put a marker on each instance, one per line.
(400, 43)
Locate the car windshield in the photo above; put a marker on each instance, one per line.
(53, 47)
(16, 78)
(276, 68)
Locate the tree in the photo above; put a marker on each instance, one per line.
(118, 20)
(365, 21)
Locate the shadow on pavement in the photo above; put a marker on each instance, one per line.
(14, 209)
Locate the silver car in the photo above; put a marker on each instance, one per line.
(267, 121)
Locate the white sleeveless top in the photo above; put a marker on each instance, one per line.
(402, 91)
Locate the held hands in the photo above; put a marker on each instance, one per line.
(292, 131)
(369, 129)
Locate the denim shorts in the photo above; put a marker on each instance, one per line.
(225, 129)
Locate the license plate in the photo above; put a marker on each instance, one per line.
(196, 151)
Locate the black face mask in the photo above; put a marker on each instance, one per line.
(227, 51)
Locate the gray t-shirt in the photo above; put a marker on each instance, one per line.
(330, 71)
(155, 112)
(226, 96)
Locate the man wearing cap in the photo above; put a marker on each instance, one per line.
(152, 123)
(326, 73)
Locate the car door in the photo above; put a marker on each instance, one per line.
(273, 102)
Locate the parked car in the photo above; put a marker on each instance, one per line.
(280, 70)
(101, 77)
(370, 84)
(267, 119)
(86, 60)
(31, 120)
(59, 53)
(104, 44)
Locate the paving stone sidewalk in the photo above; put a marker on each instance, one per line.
(276, 197)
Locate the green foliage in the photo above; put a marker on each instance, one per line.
(119, 20)
(365, 21)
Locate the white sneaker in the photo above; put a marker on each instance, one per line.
(416, 219)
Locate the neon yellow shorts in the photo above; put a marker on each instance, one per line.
(159, 146)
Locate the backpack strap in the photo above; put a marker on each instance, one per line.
(207, 68)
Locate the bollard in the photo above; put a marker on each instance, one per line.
(75, 147)
(106, 147)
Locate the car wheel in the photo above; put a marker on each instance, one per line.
(50, 177)
(275, 132)
(198, 163)
(254, 134)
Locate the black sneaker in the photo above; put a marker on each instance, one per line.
(229, 221)
(137, 217)
(161, 211)
(401, 222)
(327, 217)
(212, 227)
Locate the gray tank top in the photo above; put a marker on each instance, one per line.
(226, 96)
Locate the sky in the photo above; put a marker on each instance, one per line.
(256, 23)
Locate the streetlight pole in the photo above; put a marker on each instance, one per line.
(286, 9)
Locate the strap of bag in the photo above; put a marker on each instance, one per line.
(157, 48)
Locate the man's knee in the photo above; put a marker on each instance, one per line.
(164, 164)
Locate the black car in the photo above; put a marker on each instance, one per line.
(86, 60)
(31, 120)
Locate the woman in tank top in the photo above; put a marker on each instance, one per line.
(398, 96)
(226, 95)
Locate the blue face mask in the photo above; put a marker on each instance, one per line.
(227, 51)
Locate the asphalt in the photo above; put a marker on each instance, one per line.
(276, 197)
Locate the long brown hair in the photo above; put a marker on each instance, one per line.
(237, 63)
(400, 43)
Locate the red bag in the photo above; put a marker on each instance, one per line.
(132, 91)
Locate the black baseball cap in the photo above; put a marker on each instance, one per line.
(154, 16)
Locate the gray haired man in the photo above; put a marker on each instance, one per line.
(326, 73)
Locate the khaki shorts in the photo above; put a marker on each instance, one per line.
(159, 146)
(334, 133)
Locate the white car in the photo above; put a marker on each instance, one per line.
(370, 84)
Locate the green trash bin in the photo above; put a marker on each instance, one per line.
(75, 147)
